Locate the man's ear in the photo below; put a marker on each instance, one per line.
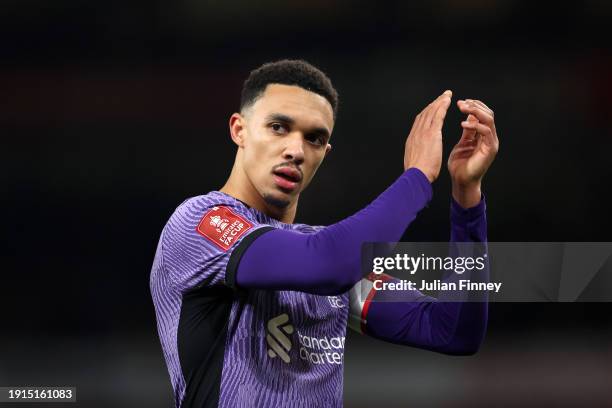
(327, 149)
(237, 125)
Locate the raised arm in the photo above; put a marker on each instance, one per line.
(442, 324)
(423, 321)
(328, 262)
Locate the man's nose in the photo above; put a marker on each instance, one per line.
(294, 149)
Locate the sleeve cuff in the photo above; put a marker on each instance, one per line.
(421, 180)
(460, 214)
(236, 256)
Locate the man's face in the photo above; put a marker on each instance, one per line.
(285, 137)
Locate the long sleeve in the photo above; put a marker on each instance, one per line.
(328, 262)
(450, 327)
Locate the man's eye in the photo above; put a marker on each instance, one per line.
(316, 140)
(277, 128)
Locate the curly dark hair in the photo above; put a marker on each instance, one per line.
(288, 72)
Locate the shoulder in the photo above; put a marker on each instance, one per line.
(215, 219)
(214, 204)
(201, 235)
(198, 204)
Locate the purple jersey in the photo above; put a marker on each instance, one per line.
(229, 347)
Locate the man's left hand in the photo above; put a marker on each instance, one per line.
(473, 154)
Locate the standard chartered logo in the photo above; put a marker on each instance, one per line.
(277, 339)
(321, 350)
(315, 350)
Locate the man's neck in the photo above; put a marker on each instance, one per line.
(251, 197)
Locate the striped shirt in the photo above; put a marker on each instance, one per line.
(229, 347)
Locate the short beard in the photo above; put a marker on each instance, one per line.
(275, 202)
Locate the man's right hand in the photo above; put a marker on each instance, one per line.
(424, 143)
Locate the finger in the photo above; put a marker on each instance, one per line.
(417, 120)
(472, 118)
(494, 138)
(468, 135)
(440, 113)
(470, 139)
(482, 105)
(423, 115)
(481, 114)
(432, 109)
(494, 131)
(459, 150)
(481, 129)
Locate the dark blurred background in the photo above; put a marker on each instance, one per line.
(112, 113)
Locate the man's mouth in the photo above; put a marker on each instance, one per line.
(287, 178)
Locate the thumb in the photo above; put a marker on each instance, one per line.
(469, 135)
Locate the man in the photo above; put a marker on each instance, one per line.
(252, 309)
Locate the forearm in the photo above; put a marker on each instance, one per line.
(451, 327)
(329, 261)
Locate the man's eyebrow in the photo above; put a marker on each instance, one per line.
(320, 132)
(279, 117)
